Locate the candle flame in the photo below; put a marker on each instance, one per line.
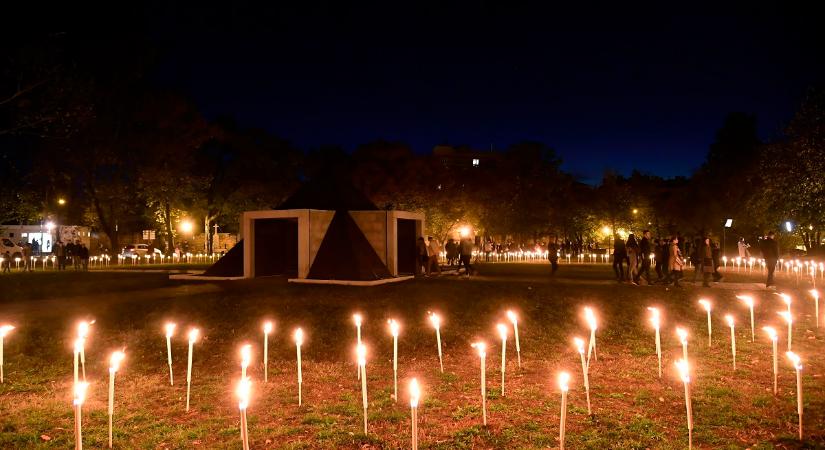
(512, 316)
(170, 329)
(415, 393)
(435, 319)
(83, 329)
(771, 333)
(502, 331)
(361, 353)
(244, 388)
(299, 337)
(729, 320)
(481, 347)
(4, 330)
(267, 327)
(786, 315)
(115, 360)
(564, 379)
(814, 293)
(193, 335)
(785, 298)
(705, 304)
(394, 327)
(795, 360)
(747, 299)
(579, 342)
(80, 389)
(654, 316)
(683, 334)
(357, 318)
(590, 317)
(684, 370)
(246, 355)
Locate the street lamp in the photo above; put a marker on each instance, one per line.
(728, 224)
(788, 226)
(186, 227)
(61, 201)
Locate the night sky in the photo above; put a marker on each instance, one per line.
(607, 89)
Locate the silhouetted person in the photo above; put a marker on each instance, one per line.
(644, 254)
(553, 255)
(619, 256)
(770, 251)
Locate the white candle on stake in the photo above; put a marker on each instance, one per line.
(78, 345)
(82, 332)
(243, 391)
(193, 336)
(114, 365)
(729, 320)
(299, 341)
(797, 365)
(267, 331)
(706, 305)
(655, 321)
(683, 335)
(774, 338)
(580, 348)
(361, 352)
(514, 320)
(170, 331)
(246, 358)
(435, 319)
(502, 332)
(684, 374)
(564, 379)
(815, 294)
(357, 319)
(394, 329)
(415, 394)
(748, 300)
(482, 354)
(593, 324)
(4, 331)
(79, 396)
(786, 299)
(789, 320)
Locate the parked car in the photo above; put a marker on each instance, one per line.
(14, 250)
(139, 250)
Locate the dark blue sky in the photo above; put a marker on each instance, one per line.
(607, 89)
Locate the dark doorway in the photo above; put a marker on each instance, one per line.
(276, 247)
(406, 246)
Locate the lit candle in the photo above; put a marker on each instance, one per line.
(502, 332)
(4, 330)
(787, 300)
(789, 320)
(591, 322)
(435, 319)
(246, 358)
(729, 320)
(706, 305)
(82, 332)
(267, 331)
(684, 374)
(361, 352)
(357, 319)
(193, 336)
(682, 334)
(415, 394)
(797, 365)
(748, 300)
(482, 354)
(114, 365)
(170, 331)
(299, 341)
(514, 320)
(79, 396)
(244, 388)
(815, 294)
(655, 321)
(394, 329)
(564, 379)
(773, 337)
(580, 348)
(78, 345)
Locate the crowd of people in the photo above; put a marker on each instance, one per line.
(74, 253)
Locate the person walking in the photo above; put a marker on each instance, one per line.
(465, 254)
(84, 257)
(705, 255)
(644, 254)
(619, 257)
(553, 254)
(423, 256)
(632, 249)
(770, 252)
(675, 262)
(7, 262)
(27, 257)
(743, 247)
(435, 253)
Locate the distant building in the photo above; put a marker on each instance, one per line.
(43, 238)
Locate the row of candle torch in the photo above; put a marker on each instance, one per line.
(585, 349)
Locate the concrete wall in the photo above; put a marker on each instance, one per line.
(374, 226)
(318, 223)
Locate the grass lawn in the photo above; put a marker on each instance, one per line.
(632, 407)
